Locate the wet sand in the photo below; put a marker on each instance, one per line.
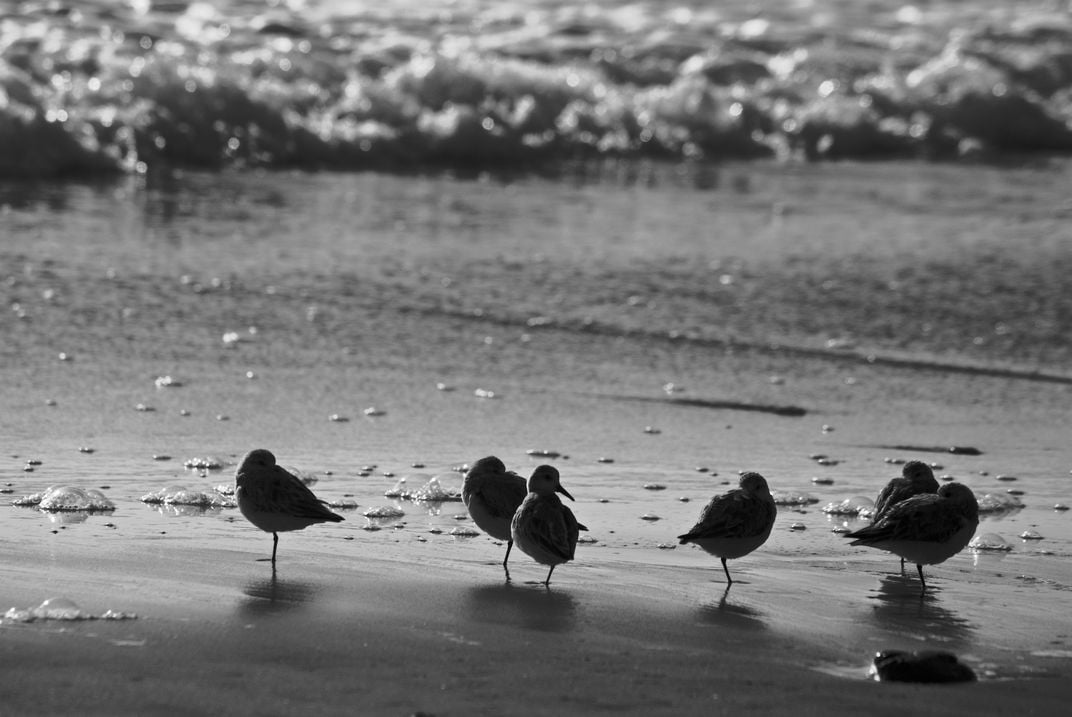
(437, 631)
(412, 619)
(403, 619)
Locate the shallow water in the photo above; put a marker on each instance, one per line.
(110, 86)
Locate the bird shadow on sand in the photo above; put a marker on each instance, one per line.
(533, 607)
(274, 594)
(731, 613)
(898, 606)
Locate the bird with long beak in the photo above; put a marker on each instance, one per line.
(543, 528)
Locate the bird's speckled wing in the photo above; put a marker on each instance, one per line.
(736, 514)
(275, 490)
(926, 517)
(549, 524)
(893, 492)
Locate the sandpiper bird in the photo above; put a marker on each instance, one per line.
(492, 494)
(544, 528)
(926, 529)
(275, 500)
(736, 523)
(917, 478)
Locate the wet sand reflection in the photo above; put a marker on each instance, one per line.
(732, 614)
(529, 607)
(272, 595)
(899, 607)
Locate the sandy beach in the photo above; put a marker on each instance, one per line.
(411, 619)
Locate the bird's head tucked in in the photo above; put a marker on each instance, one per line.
(257, 458)
(917, 471)
(754, 483)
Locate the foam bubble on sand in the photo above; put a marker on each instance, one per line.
(181, 495)
(790, 497)
(384, 511)
(61, 608)
(446, 486)
(850, 506)
(999, 503)
(207, 463)
(990, 541)
(67, 498)
(437, 488)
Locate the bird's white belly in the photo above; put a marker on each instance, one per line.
(270, 522)
(730, 548)
(924, 552)
(495, 526)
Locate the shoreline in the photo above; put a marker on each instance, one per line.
(447, 636)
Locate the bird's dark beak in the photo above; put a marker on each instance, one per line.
(564, 492)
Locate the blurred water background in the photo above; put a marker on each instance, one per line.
(104, 86)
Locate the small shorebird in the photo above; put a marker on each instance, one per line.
(492, 494)
(543, 528)
(927, 529)
(917, 478)
(736, 523)
(275, 500)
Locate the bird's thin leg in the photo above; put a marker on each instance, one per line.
(509, 544)
(547, 582)
(729, 580)
(275, 544)
(902, 566)
(922, 582)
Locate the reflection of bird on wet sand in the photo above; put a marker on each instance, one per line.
(734, 524)
(492, 495)
(916, 478)
(270, 595)
(275, 500)
(543, 528)
(926, 529)
(902, 610)
(728, 614)
(507, 604)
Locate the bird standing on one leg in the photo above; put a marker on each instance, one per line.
(275, 500)
(544, 528)
(736, 523)
(916, 478)
(492, 495)
(925, 529)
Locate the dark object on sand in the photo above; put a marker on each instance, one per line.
(923, 666)
(955, 450)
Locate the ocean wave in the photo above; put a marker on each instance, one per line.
(130, 86)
